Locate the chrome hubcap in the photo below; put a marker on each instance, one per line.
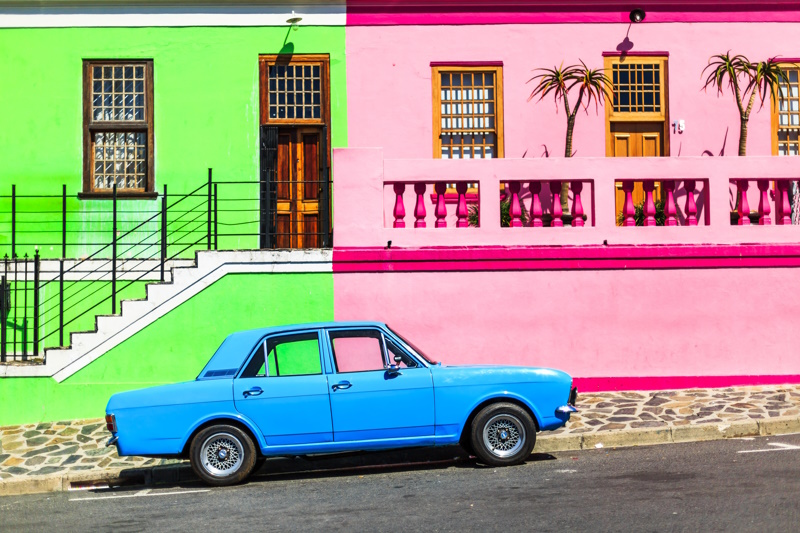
(504, 435)
(222, 454)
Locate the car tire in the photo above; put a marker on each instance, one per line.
(222, 455)
(503, 434)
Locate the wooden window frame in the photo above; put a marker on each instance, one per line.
(436, 79)
(264, 62)
(609, 60)
(90, 127)
(793, 64)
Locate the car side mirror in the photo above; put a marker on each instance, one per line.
(393, 370)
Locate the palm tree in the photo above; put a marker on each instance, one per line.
(758, 79)
(592, 84)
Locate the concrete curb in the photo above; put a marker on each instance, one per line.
(178, 473)
(666, 435)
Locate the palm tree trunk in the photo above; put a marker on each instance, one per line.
(743, 136)
(567, 153)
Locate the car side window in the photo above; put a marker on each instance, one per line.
(286, 355)
(358, 350)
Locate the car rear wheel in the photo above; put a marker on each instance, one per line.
(503, 434)
(222, 455)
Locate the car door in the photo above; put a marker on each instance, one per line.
(370, 401)
(285, 392)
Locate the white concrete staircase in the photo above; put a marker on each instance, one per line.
(135, 315)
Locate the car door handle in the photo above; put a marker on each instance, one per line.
(342, 385)
(255, 391)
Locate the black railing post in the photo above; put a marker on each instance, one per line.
(61, 265)
(36, 267)
(114, 252)
(163, 230)
(14, 319)
(5, 300)
(24, 338)
(216, 233)
(13, 221)
(208, 234)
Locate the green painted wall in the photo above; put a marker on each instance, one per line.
(206, 102)
(173, 348)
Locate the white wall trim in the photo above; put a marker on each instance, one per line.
(133, 16)
(163, 298)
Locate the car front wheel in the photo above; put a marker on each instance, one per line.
(222, 455)
(503, 434)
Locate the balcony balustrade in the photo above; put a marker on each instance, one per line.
(445, 203)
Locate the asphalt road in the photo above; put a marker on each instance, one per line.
(733, 485)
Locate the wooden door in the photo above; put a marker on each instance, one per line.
(298, 188)
(636, 139)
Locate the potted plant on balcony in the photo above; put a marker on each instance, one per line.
(591, 84)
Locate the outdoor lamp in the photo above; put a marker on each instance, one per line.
(294, 19)
(637, 15)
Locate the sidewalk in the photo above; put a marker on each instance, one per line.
(55, 455)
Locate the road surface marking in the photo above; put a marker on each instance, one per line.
(145, 492)
(780, 447)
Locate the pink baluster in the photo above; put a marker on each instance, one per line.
(744, 207)
(441, 208)
(513, 209)
(628, 210)
(577, 205)
(649, 204)
(555, 190)
(691, 207)
(763, 203)
(784, 217)
(419, 209)
(461, 210)
(399, 208)
(669, 204)
(536, 204)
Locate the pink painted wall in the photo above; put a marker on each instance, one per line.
(682, 316)
(389, 81)
(637, 323)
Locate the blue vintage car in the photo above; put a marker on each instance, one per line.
(332, 387)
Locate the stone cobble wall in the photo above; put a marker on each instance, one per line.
(615, 411)
(70, 445)
(62, 447)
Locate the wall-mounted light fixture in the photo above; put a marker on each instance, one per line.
(637, 15)
(293, 20)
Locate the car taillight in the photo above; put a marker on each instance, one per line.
(111, 423)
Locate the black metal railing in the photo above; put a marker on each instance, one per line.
(39, 313)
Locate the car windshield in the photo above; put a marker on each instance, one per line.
(411, 345)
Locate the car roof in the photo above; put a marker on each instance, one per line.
(236, 346)
(258, 333)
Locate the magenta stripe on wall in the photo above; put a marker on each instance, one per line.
(566, 258)
(677, 382)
